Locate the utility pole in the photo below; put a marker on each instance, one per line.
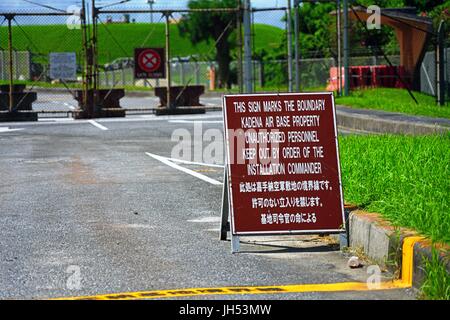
(339, 49)
(239, 45)
(10, 48)
(94, 53)
(169, 103)
(346, 51)
(87, 58)
(150, 3)
(247, 48)
(440, 65)
(289, 44)
(297, 45)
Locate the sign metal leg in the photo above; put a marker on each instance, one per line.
(225, 225)
(235, 245)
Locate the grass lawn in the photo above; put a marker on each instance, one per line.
(437, 280)
(395, 100)
(405, 178)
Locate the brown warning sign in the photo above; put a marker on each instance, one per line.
(283, 164)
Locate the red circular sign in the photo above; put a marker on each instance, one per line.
(149, 60)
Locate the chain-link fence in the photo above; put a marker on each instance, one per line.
(206, 49)
(27, 42)
(428, 72)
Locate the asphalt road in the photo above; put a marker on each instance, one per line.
(85, 211)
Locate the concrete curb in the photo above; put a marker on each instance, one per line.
(374, 123)
(382, 243)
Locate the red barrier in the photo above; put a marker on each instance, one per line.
(402, 73)
(369, 76)
(333, 82)
(391, 77)
(365, 76)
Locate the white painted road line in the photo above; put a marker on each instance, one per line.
(68, 105)
(195, 163)
(7, 129)
(200, 176)
(56, 119)
(141, 118)
(98, 125)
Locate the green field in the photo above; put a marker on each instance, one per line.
(405, 178)
(395, 100)
(119, 40)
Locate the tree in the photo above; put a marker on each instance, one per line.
(215, 26)
(315, 20)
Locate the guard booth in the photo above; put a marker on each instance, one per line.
(413, 34)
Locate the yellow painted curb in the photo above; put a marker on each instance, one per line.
(408, 259)
(404, 282)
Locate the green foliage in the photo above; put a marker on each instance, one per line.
(206, 26)
(405, 178)
(318, 27)
(316, 30)
(216, 26)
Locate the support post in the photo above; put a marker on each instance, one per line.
(239, 46)
(95, 93)
(247, 48)
(169, 78)
(87, 52)
(235, 245)
(339, 46)
(297, 45)
(289, 44)
(224, 225)
(94, 45)
(346, 51)
(11, 71)
(440, 66)
(151, 2)
(182, 73)
(197, 72)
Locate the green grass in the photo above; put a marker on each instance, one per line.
(405, 178)
(44, 39)
(395, 100)
(437, 281)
